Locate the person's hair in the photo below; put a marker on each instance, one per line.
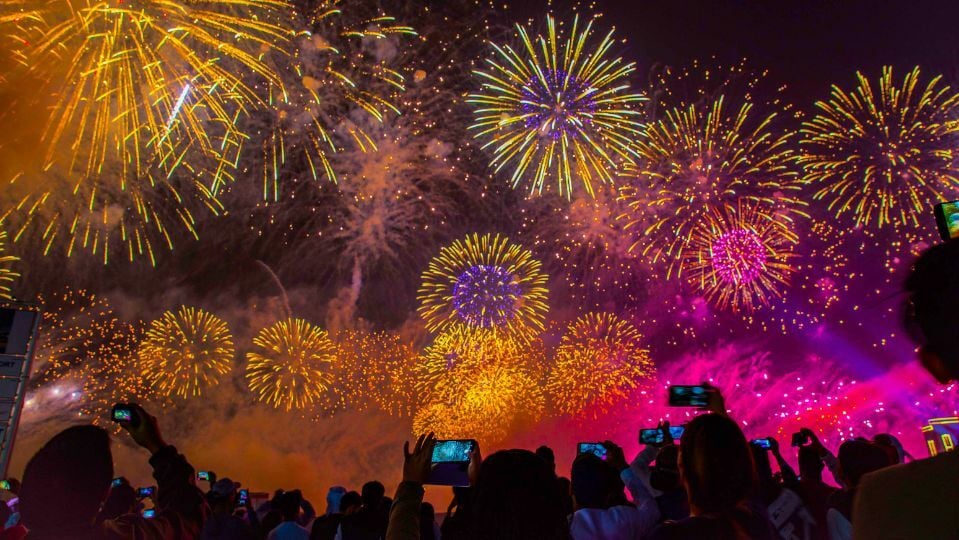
(596, 484)
(121, 500)
(372, 494)
(66, 480)
(930, 313)
(716, 464)
(516, 496)
(288, 504)
(546, 454)
(892, 446)
(427, 521)
(351, 499)
(860, 457)
(810, 464)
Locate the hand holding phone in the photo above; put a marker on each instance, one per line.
(654, 436)
(689, 395)
(595, 448)
(765, 444)
(243, 497)
(146, 492)
(450, 462)
(125, 414)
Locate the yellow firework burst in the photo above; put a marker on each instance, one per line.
(449, 365)
(484, 282)
(330, 72)
(184, 353)
(139, 104)
(741, 256)
(600, 360)
(559, 108)
(702, 152)
(292, 366)
(883, 155)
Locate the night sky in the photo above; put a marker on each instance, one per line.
(807, 44)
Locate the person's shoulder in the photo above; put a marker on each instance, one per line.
(917, 474)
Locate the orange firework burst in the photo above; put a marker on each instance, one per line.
(185, 352)
(883, 156)
(380, 367)
(740, 256)
(600, 360)
(292, 367)
(484, 282)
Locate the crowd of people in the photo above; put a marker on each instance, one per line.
(714, 484)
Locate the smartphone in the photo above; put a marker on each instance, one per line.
(689, 396)
(145, 492)
(761, 443)
(595, 448)
(800, 438)
(5, 484)
(947, 219)
(450, 463)
(118, 481)
(149, 513)
(655, 435)
(203, 475)
(123, 413)
(242, 497)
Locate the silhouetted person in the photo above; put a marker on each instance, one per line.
(814, 492)
(338, 503)
(68, 479)
(919, 499)
(515, 497)
(370, 521)
(717, 470)
(562, 483)
(429, 530)
(602, 511)
(288, 505)
(856, 458)
(664, 478)
(223, 523)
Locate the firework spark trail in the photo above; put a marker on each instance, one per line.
(557, 108)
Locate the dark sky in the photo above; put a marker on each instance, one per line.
(808, 44)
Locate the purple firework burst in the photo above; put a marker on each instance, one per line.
(486, 296)
(738, 256)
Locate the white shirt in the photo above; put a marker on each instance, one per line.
(618, 522)
(289, 530)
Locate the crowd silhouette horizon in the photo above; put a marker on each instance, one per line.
(712, 483)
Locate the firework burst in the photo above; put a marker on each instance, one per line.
(883, 155)
(706, 150)
(600, 360)
(338, 63)
(186, 352)
(741, 256)
(483, 282)
(558, 107)
(143, 99)
(292, 367)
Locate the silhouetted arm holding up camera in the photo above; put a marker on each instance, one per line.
(181, 507)
(405, 513)
(790, 478)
